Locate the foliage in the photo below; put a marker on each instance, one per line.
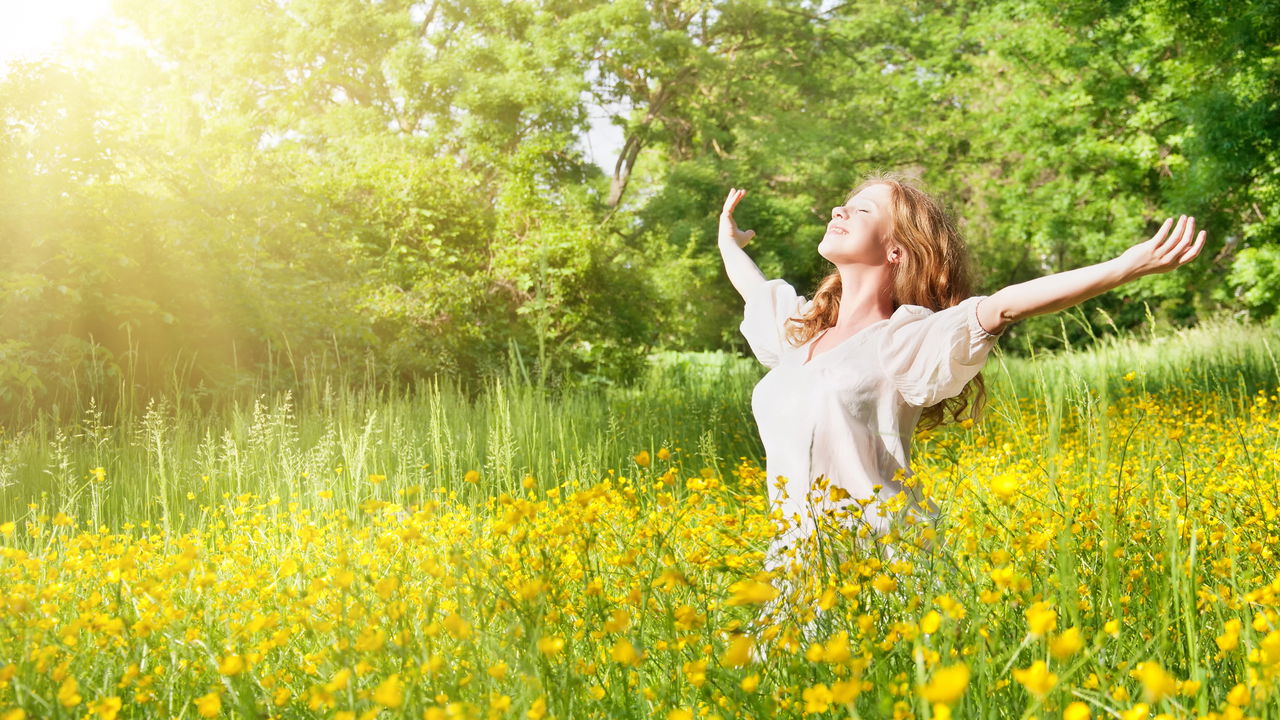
(1107, 533)
(401, 183)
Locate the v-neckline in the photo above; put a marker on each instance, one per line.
(810, 357)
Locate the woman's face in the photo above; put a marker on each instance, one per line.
(859, 228)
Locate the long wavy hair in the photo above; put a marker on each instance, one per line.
(934, 272)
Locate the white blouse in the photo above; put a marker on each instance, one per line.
(850, 412)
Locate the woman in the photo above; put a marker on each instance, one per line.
(891, 337)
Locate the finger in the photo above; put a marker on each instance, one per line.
(1189, 235)
(1181, 240)
(1195, 249)
(1160, 234)
(1163, 242)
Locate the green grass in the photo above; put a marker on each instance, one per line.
(292, 443)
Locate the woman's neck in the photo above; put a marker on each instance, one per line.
(866, 295)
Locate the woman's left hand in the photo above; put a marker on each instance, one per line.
(1165, 250)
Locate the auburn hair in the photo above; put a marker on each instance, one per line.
(934, 272)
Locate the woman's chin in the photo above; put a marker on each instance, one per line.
(831, 251)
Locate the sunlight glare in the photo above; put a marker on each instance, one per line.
(30, 30)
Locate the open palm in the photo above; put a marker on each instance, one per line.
(728, 228)
(1165, 250)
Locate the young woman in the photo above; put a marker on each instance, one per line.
(891, 337)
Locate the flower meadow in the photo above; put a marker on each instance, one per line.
(1105, 549)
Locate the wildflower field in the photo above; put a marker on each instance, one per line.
(1106, 548)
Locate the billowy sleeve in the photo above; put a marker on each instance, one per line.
(765, 316)
(930, 356)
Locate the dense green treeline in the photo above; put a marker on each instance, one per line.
(400, 186)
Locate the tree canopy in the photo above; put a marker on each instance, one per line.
(401, 182)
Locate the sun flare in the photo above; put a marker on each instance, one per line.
(34, 30)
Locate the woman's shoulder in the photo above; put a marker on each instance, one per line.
(909, 320)
(907, 313)
(780, 294)
(909, 310)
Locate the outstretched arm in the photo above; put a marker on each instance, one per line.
(742, 271)
(1162, 253)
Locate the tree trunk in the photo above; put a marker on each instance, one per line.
(622, 169)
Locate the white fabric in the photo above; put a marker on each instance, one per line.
(850, 412)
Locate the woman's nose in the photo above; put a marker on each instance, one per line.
(837, 212)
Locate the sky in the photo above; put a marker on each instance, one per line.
(602, 144)
(31, 29)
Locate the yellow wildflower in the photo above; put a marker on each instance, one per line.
(817, 699)
(1076, 711)
(947, 684)
(107, 708)
(339, 680)
(625, 653)
(390, 692)
(1137, 712)
(456, 626)
(1066, 643)
(1041, 618)
(68, 695)
(618, 621)
(1036, 679)
(209, 705)
(695, 671)
(739, 651)
(750, 592)
(1005, 486)
(1156, 683)
(837, 648)
(930, 623)
(884, 584)
(1230, 638)
(846, 691)
(231, 665)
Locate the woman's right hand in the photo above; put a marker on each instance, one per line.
(728, 228)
